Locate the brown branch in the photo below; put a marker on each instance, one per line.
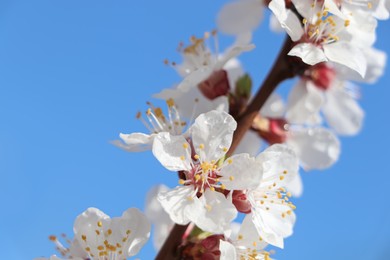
(169, 248)
(280, 71)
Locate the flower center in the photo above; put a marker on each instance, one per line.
(204, 174)
(111, 247)
(322, 28)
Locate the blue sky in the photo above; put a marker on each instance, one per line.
(73, 74)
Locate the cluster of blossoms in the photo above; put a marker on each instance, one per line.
(330, 45)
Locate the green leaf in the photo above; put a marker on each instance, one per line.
(244, 86)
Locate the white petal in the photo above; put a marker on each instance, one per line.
(362, 30)
(191, 103)
(77, 251)
(342, 112)
(228, 251)
(178, 202)
(195, 77)
(173, 152)
(273, 107)
(153, 209)
(243, 38)
(217, 214)
(295, 186)
(346, 54)
(304, 7)
(250, 143)
(86, 224)
(317, 148)
(168, 93)
(135, 142)
(287, 19)
(160, 232)
(234, 71)
(240, 16)
(304, 102)
(382, 10)
(275, 25)
(376, 62)
(213, 130)
(278, 160)
(333, 8)
(270, 224)
(309, 53)
(249, 237)
(241, 172)
(134, 221)
(233, 52)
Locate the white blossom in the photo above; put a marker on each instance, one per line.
(207, 174)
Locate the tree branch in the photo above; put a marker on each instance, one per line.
(169, 248)
(281, 70)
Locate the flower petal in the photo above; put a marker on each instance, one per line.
(309, 53)
(240, 16)
(217, 214)
(273, 107)
(317, 148)
(288, 20)
(213, 131)
(278, 160)
(270, 224)
(231, 53)
(250, 143)
(295, 186)
(346, 54)
(195, 77)
(135, 142)
(304, 102)
(178, 202)
(153, 208)
(342, 112)
(173, 152)
(134, 226)
(249, 237)
(85, 227)
(228, 251)
(241, 172)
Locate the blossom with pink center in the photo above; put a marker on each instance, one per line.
(207, 174)
(337, 99)
(315, 146)
(321, 37)
(272, 213)
(98, 237)
(346, 8)
(202, 65)
(175, 121)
